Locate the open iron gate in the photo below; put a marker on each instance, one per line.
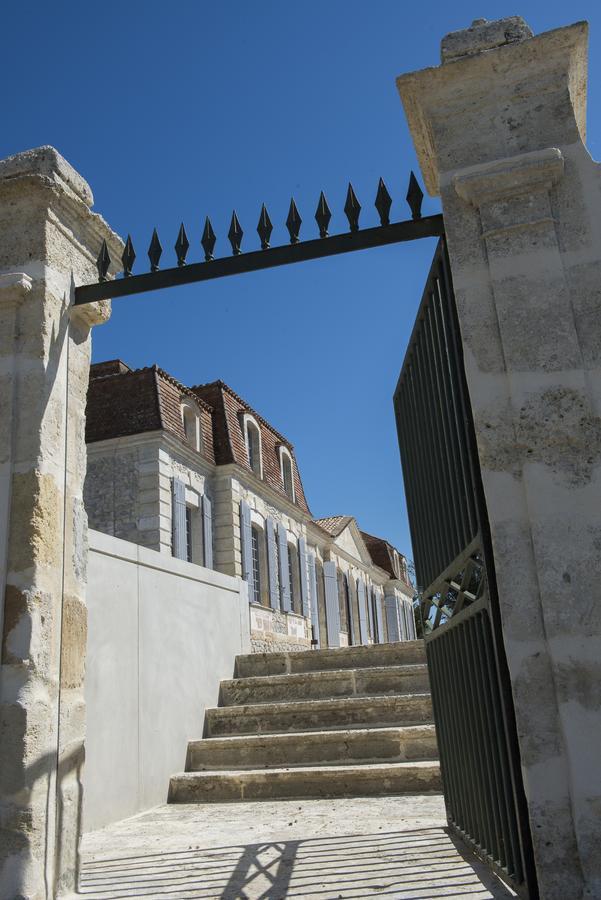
(471, 695)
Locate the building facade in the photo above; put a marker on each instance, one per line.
(198, 474)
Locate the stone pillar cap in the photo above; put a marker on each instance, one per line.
(479, 72)
(483, 35)
(47, 161)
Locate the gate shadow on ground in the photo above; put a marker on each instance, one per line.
(422, 864)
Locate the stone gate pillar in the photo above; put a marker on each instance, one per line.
(48, 243)
(499, 129)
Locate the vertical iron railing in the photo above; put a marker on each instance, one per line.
(473, 707)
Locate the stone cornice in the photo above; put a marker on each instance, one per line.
(14, 287)
(505, 178)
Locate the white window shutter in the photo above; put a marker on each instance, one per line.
(379, 618)
(350, 589)
(284, 568)
(180, 528)
(362, 611)
(246, 541)
(274, 591)
(392, 618)
(207, 529)
(412, 628)
(313, 597)
(332, 608)
(304, 576)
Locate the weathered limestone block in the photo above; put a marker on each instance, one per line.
(50, 239)
(499, 129)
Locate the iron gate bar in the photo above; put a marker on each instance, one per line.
(380, 235)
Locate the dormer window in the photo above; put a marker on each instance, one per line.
(287, 472)
(252, 437)
(191, 422)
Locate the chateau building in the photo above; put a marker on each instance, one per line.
(198, 474)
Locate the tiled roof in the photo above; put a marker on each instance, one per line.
(334, 525)
(230, 443)
(382, 554)
(122, 401)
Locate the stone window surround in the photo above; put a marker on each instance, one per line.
(286, 457)
(188, 409)
(249, 419)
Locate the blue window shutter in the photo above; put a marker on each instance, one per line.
(274, 589)
(379, 620)
(332, 608)
(246, 541)
(313, 597)
(370, 610)
(180, 528)
(207, 528)
(304, 574)
(362, 611)
(392, 618)
(284, 568)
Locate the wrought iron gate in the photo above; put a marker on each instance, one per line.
(473, 707)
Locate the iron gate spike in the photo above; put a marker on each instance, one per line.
(323, 215)
(154, 251)
(235, 234)
(182, 245)
(128, 257)
(352, 208)
(293, 222)
(264, 228)
(383, 203)
(208, 240)
(415, 195)
(103, 261)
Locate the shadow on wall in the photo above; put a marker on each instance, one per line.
(68, 789)
(407, 865)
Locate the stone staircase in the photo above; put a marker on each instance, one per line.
(322, 723)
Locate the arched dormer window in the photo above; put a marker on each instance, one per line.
(287, 471)
(191, 422)
(252, 438)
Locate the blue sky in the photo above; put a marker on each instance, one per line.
(176, 111)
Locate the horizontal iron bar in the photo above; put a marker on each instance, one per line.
(429, 226)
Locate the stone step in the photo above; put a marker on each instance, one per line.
(321, 685)
(306, 782)
(317, 715)
(395, 654)
(323, 748)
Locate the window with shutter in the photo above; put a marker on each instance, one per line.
(207, 528)
(303, 562)
(284, 568)
(362, 611)
(273, 565)
(246, 541)
(332, 607)
(313, 597)
(392, 618)
(256, 565)
(179, 522)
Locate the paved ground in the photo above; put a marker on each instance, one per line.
(393, 847)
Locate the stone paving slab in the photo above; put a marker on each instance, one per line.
(351, 849)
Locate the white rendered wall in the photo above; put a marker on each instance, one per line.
(162, 633)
